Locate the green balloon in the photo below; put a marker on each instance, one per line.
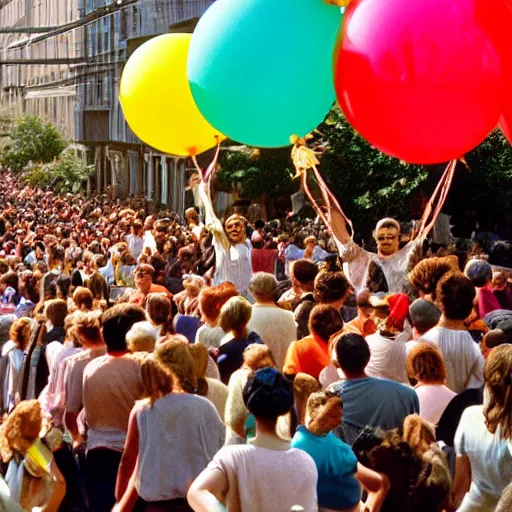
(260, 71)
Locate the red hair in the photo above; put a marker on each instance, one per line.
(212, 299)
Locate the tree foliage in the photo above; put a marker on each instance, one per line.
(258, 174)
(368, 183)
(68, 173)
(34, 141)
(371, 185)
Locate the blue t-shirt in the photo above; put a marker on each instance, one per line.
(336, 464)
(375, 403)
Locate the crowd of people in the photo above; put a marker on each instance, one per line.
(153, 364)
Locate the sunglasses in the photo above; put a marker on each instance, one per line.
(389, 237)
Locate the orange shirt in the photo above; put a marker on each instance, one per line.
(139, 298)
(359, 325)
(308, 355)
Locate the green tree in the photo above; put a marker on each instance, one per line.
(264, 174)
(68, 173)
(371, 185)
(32, 141)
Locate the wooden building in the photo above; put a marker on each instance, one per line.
(62, 60)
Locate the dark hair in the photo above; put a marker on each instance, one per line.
(304, 271)
(479, 271)
(63, 284)
(10, 279)
(325, 321)
(268, 394)
(352, 352)
(117, 321)
(494, 338)
(455, 293)
(424, 315)
(330, 287)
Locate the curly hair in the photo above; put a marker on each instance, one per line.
(498, 380)
(212, 299)
(87, 328)
(157, 378)
(177, 357)
(18, 330)
(425, 363)
(21, 429)
(330, 287)
(455, 294)
(427, 273)
(258, 356)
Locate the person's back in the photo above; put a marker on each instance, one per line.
(272, 479)
(276, 328)
(111, 385)
(367, 401)
(178, 427)
(373, 402)
(462, 356)
(490, 457)
(388, 356)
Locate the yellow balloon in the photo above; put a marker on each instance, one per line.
(157, 101)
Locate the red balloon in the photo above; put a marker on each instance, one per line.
(422, 80)
(506, 42)
(506, 120)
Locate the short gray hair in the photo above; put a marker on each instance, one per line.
(424, 315)
(263, 283)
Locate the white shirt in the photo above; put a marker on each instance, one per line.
(264, 479)
(387, 357)
(356, 261)
(233, 264)
(491, 461)
(463, 359)
(276, 327)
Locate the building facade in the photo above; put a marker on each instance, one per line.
(62, 60)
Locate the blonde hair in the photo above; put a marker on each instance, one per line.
(418, 433)
(157, 379)
(21, 429)
(201, 358)
(303, 386)
(141, 338)
(87, 327)
(16, 332)
(234, 314)
(258, 356)
(498, 381)
(176, 356)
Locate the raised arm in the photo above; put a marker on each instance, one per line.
(212, 222)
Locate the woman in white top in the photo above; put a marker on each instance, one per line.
(266, 474)
(13, 356)
(172, 435)
(483, 440)
(425, 365)
(455, 294)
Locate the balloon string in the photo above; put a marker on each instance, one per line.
(304, 159)
(206, 176)
(442, 189)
